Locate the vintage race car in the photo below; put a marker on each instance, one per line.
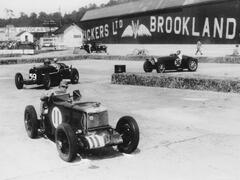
(77, 126)
(98, 47)
(171, 62)
(49, 74)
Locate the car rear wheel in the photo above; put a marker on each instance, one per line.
(161, 68)
(66, 142)
(47, 82)
(19, 80)
(147, 66)
(74, 76)
(127, 127)
(31, 122)
(192, 65)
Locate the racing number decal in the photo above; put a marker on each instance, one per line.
(178, 62)
(56, 117)
(32, 76)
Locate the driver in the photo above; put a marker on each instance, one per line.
(55, 64)
(62, 89)
(178, 60)
(179, 54)
(46, 62)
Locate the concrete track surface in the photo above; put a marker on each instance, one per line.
(184, 134)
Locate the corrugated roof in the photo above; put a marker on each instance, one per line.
(62, 29)
(139, 6)
(19, 34)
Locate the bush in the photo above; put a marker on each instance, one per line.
(180, 82)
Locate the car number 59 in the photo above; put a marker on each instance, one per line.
(32, 76)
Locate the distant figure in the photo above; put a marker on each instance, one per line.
(236, 50)
(199, 48)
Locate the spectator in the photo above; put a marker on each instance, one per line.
(199, 48)
(236, 50)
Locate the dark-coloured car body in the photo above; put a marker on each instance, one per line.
(98, 47)
(50, 74)
(171, 62)
(85, 124)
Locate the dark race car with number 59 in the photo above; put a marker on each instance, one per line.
(49, 74)
(77, 126)
(171, 62)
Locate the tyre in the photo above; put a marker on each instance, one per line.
(66, 142)
(127, 127)
(192, 65)
(31, 122)
(74, 76)
(161, 68)
(147, 66)
(19, 80)
(46, 81)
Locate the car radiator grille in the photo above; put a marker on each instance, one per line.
(97, 119)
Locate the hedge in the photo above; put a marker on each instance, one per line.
(195, 82)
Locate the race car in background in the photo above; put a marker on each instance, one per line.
(171, 62)
(49, 74)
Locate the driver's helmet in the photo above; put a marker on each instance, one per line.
(55, 60)
(178, 52)
(63, 84)
(46, 62)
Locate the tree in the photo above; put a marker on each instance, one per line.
(38, 20)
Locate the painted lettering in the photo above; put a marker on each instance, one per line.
(194, 32)
(206, 28)
(218, 28)
(152, 23)
(168, 24)
(231, 28)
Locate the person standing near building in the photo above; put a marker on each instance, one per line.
(236, 50)
(199, 48)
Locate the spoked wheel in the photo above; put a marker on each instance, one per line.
(74, 76)
(127, 127)
(192, 65)
(147, 66)
(66, 142)
(161, 68)
(47, 82)
(19, 80)
(30, 121)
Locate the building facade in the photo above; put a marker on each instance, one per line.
(10, 32)
(165, 22)
(25, 36)
(69, 36)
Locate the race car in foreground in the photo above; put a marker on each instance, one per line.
(77, 126)
(49, 74)
(171, 62)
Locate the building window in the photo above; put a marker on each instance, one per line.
(26, 38)
(76, 36)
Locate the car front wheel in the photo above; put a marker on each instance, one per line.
(147, 66)
(192, 65)
(127, 127)
(47, 82)
(31, 122)
(66, 142)
(74, 76)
